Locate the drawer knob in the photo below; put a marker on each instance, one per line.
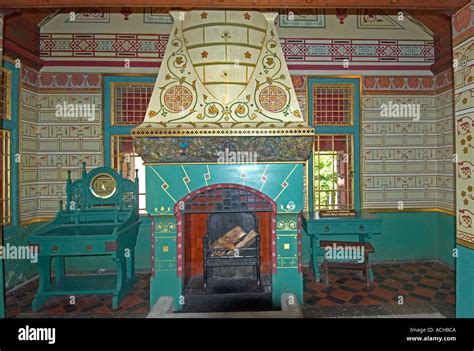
(326, 228)
(361, 228)
(54, 248)
(89, 248)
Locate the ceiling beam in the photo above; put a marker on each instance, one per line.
(256, 4)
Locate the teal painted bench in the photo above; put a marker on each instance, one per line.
(100, 219)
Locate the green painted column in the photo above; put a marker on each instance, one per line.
(463, 33)
(289, 278)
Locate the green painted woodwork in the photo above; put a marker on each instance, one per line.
(445, 238)
(169, 184)
(110, 129)
(12, 126)
(465, 283)
(352, 130)
(407, 236)
(90, 226)
(361, 228)
(287, 281)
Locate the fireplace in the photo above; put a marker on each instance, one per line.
(207, 100)
(211, 212)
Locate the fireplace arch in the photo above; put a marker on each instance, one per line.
(224, 198)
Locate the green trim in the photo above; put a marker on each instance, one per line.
(12, 126)
(464, 283)
(354, 130)
(110, 129)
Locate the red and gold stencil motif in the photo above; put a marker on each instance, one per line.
(273, 98)
(178, 98)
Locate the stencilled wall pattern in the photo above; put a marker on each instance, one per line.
(463, 43)
(29, 146)
(407, 161)
(57, 136)
(404, 159)
(416, 157)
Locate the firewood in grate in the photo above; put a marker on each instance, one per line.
(247, 240)
(236, 238)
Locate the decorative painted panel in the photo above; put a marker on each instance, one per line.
(311, 40)
(274, 180)
(303, 18)
(61, 127)
(463, 38)
(407, 161)
(224, 69)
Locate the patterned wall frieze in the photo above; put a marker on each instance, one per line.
(101, 45)
(151, 48)
(463, 24)
(356, 50)
(35, 80)
(423, 85)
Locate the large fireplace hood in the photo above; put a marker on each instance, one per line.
(223, 84)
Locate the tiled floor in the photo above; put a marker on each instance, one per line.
(401, 288)
(425, 286)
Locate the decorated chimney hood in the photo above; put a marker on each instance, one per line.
(223, 84)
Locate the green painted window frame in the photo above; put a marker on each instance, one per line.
(352, 129)
(110, 128)
(12, 125)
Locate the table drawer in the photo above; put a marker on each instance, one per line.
(330, 228)
(363, 227)
(72, 248)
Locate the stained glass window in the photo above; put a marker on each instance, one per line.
(332, 104)
(130, 102)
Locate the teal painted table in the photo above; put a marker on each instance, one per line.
(364, 226)
(101, 219)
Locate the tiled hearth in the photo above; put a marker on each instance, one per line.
(426, 286)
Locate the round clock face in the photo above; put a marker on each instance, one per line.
(103, 186)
